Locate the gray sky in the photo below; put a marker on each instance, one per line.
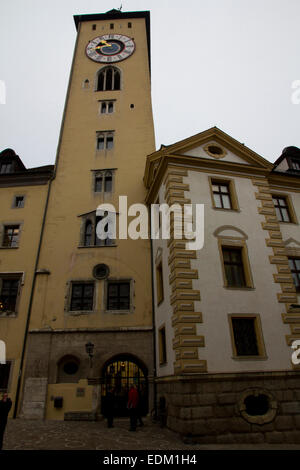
(229, 63)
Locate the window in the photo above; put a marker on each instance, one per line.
(9, 289)
(162, 345)
(246, 336)
(111, 26)
(159, 283)
(295, 269)
(295, 164)
(88, 235)
(118, 295)
(282, 208)
(82, 296)
(4, 375)
(234, 268)
(129, 25)
(6, 167)
(68, 370)
(105, 140)
(11, 236)
(109, 78)
(223, 194)
(103, 181)
(19, 202)
(106, 107)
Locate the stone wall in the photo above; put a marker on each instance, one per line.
(211, 408)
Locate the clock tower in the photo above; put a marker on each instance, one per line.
(90, 325)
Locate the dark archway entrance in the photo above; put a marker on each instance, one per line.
(118, 374)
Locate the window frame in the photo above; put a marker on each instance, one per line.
(234, 206)
(159, 282)
(106, 136)
(162, 345)
(288, 206)
(104, 175)
(236, 243)
(258, 335)
(111, 280)
(14, 204)
(295, 271)
(107, 104)
(92, 217)
(83, 282)
(104, 70)
(13, 276)
(6, 226)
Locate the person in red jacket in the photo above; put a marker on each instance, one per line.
(132, 405)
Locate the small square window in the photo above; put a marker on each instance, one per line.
(19, 202)
(6, 167)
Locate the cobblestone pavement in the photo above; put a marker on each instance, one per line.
(69, 435)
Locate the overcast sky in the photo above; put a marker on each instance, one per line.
(225, 63)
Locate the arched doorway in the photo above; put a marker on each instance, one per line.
(118, 374)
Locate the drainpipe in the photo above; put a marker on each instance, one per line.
(154, 327)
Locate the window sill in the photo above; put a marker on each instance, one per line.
(79, 312)
(8, 315)
(247, 288)
(9, 247)
(290, 222)
(250, 358)
(98, 246)
(118, 312)
(225, 210)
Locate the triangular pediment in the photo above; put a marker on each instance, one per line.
(212, 145)
(215, 144)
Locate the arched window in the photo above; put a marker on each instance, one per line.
(109, 78)
(88, 233)
(68, 369)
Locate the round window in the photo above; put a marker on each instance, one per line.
(257, 406)
(70, 368)
(101, 271)
(215, 151)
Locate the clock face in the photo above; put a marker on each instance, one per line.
(110, 48)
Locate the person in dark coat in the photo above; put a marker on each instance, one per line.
(110, 407)
(132, 405)
(5, 406)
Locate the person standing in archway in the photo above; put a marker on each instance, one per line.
(132, 405)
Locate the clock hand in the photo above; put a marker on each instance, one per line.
(103, 43)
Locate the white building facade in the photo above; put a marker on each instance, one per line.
(227, 315)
